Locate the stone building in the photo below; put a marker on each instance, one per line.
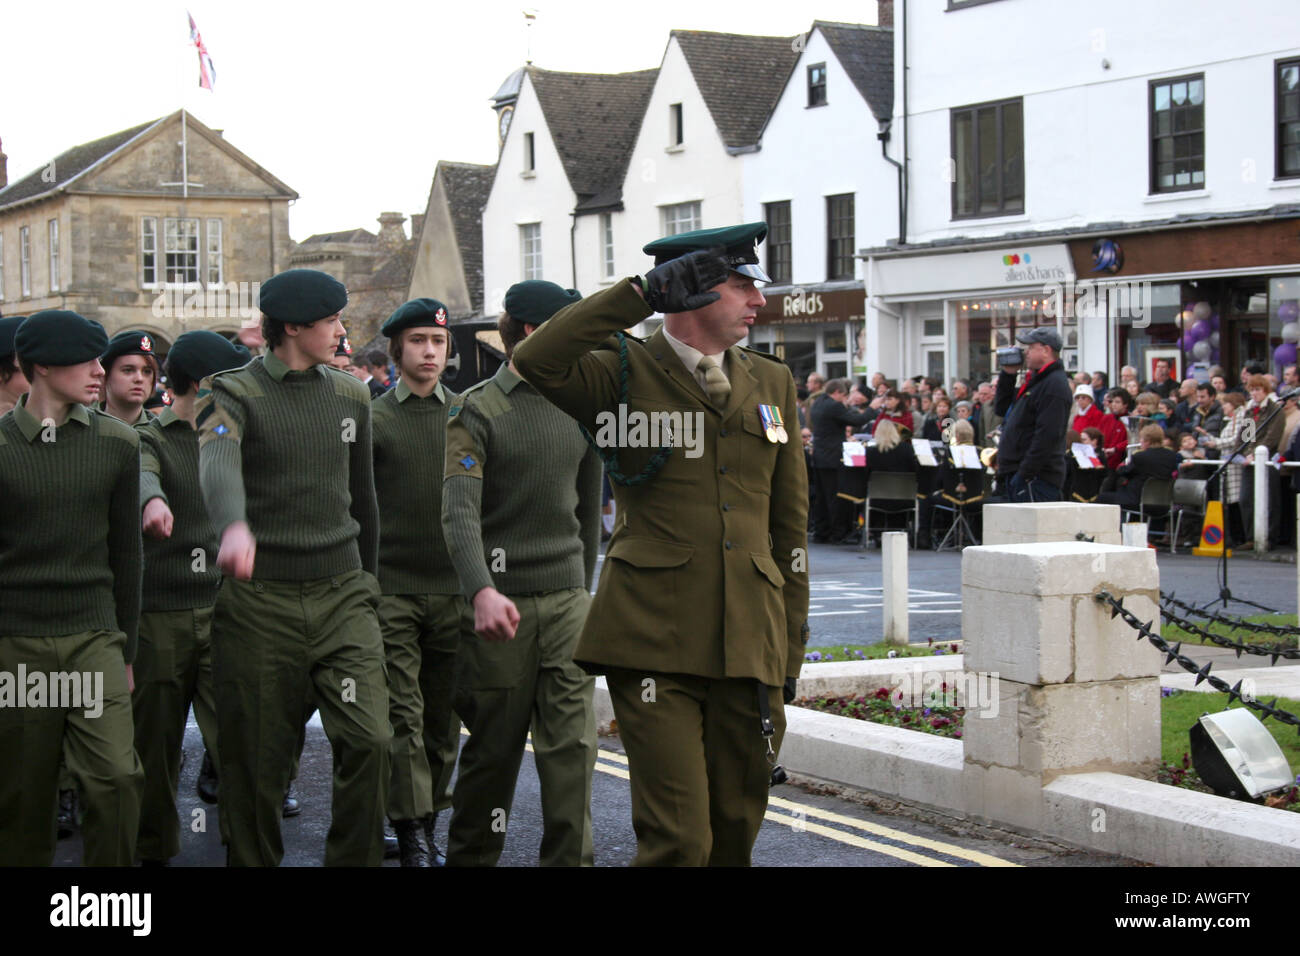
(136, 230)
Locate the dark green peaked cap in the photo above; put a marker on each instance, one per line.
(737, 243)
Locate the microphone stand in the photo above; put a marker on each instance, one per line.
(1225, 594)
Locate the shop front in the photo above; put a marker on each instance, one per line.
(813, 328)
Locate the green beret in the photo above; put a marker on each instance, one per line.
(534, 301)
(300, 296)
(416, 313)
(344, 348)
(202, 353)
(128, 342)
(737, 243)
(59, 337)
(8, 326)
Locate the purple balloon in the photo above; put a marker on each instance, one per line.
(1214, 321)
(1288, 311)
(1214, 357)
(1201, 329)
(1284, 354)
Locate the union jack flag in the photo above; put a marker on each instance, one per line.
(207, 72)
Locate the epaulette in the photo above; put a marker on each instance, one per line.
(475, 387)
(767, 355)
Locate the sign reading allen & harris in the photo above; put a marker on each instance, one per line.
(807, 307)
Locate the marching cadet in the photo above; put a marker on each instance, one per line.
(69, 598)
(13, 383)
(701, 613)
(130, 373)
(421, 608)
(286, 468)
(173, 666)
(521, 514)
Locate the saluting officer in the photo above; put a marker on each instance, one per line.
(287, 472)
(173, 666)
(701, 613)
(420, 611)
(130, 373)
(69, 598)
(521, 512)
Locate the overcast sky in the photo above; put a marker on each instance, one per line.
(350, 104)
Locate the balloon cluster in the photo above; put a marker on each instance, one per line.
(1288, 312)
(1202, 336)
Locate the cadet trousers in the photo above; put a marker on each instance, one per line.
(698, 765)
(274, 642)
(98, 745)
(503, 688)
(173, 668)
(421, 636)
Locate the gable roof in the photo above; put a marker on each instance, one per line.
(740, 77)
(70, 164)
(867, 55)
(347, 235)
(467, 186)
(593, 119)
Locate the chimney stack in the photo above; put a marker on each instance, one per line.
(885, 13)
(417, 224)
(4, 168)
(391, 234)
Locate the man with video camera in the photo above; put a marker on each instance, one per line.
(1031, 452)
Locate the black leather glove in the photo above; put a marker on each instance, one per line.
(788, 690)
(682, 284)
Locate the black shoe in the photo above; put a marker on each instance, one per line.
(391, 850)
(67, 813)
(206, 785)
(410, 843)
(436, 856)
(291, 807)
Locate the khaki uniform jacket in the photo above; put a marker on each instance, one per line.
(707, 569)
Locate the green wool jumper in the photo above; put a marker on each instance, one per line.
(176, 578)
(70, 551)
(521, 499)
(289, 452)
(410, 437)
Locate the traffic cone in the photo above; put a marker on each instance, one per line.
(1212, 537)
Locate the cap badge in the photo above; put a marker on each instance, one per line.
(440, 316)
(146, 344)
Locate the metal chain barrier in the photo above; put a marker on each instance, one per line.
(1273, 651)
(1236, 623)
(1202, 672)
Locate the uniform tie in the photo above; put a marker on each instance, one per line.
(716, 385)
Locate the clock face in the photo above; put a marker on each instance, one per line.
(504, 122)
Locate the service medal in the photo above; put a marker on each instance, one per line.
(769, 423)
(781, 435)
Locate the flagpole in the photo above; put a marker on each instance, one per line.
(185, 158)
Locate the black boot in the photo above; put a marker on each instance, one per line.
(291, 807)
(436, 856)
(410, 843)
(67, 813)
(206, 785)
(391, 849)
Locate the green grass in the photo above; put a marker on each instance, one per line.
(873, 652)
(1180, 711)
(1172, 633)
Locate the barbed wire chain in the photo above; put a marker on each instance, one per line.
(1202, 672)
(1236, 623)
(1273, 651)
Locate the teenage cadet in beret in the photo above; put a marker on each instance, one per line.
(13, 383)
(130, 373)
(287, 472)
(521, 514)
(174, 663)
(421, 607)
(700, 619)
(69, 597)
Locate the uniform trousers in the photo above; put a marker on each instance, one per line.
(99, 750)
(698, 763)
(173, 668)
(421, 636)
(276, 642)
(503, 688)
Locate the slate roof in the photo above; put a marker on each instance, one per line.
(467, 186)
(69, 164)
(740, 77)
(347, 235)
(593, 119)
(867, 55)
